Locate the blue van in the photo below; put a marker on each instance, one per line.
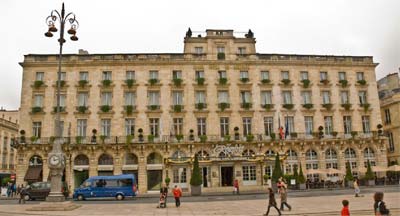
(118, 186)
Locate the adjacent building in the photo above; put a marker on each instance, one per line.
(8, 133)
(389, 95)
(149, 114)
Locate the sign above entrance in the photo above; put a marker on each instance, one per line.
(228, 149)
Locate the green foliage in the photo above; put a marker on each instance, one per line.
(34, 138)
(37, 109)
(227, 138)
(265, 81)
(82, 109)
(244, 80)
(221, 56)
(285, 81)
(295, 174)
(167, 180)
(273, 136)
(353, 134)
(153, 81)
(177, 81)
(203, 138)
(369, 175)
(5, 180)
(150, 138)
(38, 83)
(277, 173)
(250, 137)
(200, 106)
(129, 139)
(362, 82)
(130, 82)
(301, 179)
(223, 106)
(246, 105)
(306, 83)
(82, 83)
(154, 107)
(78, 139)
(103, 138)
(343, 83)
(106, 82)
(178, 108)
(129, 109)
(200, 80)
(288, 106)
(268, 106)
(365, 106)
(223, 81)
(308, 106)
(179, 137)
(62, 83)
(266, 177)
(349, 175)
(196, 179)
(105, 108)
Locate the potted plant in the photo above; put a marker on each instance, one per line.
(94, 132)
(301, 179)
(369, 175)
(221, 56)
(78, 139)
(150, 138)
(129, 139)
(200, 80)
(223, 106)
(105, 108)
(167, 180)
(153, 81)
(82, 83)
(380, 131)
(306, 83)
(349, 176)
(203, 138)
(38, 83)
(177, 81)
(285, 81)
(277, 172)
(273, 136)
(295, 175)
(250, 137)
(140, 131)
(227, 138)
(223, 81)
(34, 139)
(196, 180)
(103, 138)
(266, 177)
(237, 136)
(265, 81)
(191, 135)
(179, 137)
(362, 82)
(22, 138)
(343, 83)
(130, 82)
(106, 82)
(244, 79)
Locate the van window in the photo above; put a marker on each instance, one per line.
(101, 183)
(125, 182)
(87, 184)
(111, 183)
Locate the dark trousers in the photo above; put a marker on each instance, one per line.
(269, 206)
(21, 199)
(286, 204)
(177, 201)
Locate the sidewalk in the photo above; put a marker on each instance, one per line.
(324, 206)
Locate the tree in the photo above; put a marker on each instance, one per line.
(277, 173)
(301, 178)
(295, 174)
(369, 175)
(196, 179)
(5, 180)
(349, 175)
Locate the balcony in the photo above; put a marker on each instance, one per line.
(177, 82)
(221, 56)
(154, 81)
(153, 107)
(200, 81)
(265, 81)
(106, 83)
(365, 106)
(62, 109)
(37, 110)
(246, 105)
(324, 82)
(288, 106)
(267, 107)
(105, 108)
(305, 83)
(343, 83)
(83, 83)
(223, 81)
(130, 83)
(82, 109)
(327, 106)
(244, 80)
(285, 82)
(177, 108)
(308, 106)
(38, 84)
(362, 82)
(346, 106)
(129, 109)
(201, 106)
(223, 106)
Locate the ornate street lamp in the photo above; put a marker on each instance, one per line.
(56, 158)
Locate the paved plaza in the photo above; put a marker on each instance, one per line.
(307, 205)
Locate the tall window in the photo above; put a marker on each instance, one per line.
(323, 75)
(264, 75)
(200, 97)
(129, 98)
(83, 99)
(198, 50)
(84, 75)
(306, 97)
(176, 74)
(177, 97)
(222, 74)
(63, 76)
(308, 121)
(331, 160)
(39, 76)
(326, 97)
(246, 126)
(351, 157)
(220, 49)
(360, 76)
(62, 100)
(106, 98)
(304, 75)
(292, 161)
(201, 126)
(244, 74)
(154, 97)
(347, 124)
(249, 173)
(153, 74)
(223, 97)
(130, 126)
(328, 125)
(178, 126)
(37, 129)
(366, 124)
(199, 74)
(287, 97)
(285, 74)
(311, 159)
(268, 125)
(342, 75)
(81, 127)
(224, 125)
(266, 97)
(362, 96)
(38, 101)
(391, 142)
(344, 97)
(245, 96)
(387, 116)
(242, 50)
(289, 120)
(369, 155)
(130, 75)
(106, 75)
(154, 126)
(106, 127)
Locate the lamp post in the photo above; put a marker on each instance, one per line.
(56, 158)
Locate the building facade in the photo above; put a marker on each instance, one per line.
(8, 132)
(389, 95)
(149, 114)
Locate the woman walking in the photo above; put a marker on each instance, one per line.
(356, 188)
(379, 206)
(283, 193)
(272, 202)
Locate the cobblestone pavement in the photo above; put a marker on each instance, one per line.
(317, 205)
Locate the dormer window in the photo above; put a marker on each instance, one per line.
(242, 50)
(198, 50)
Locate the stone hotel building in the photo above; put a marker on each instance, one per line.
(150, 113)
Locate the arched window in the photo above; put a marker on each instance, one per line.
(248, 153)
(312, 163)
(330, 154)
(292, 155)
(369, 155)
(331, 160)
(131, 159)
(270, 153)
(178, 154)
(154, 158)
(203, 155)
(351, 157)
(291, 161)
(311, 155)
(105, 159)
(81, 160)
(35, 161)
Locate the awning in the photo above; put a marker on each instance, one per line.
(33, 173)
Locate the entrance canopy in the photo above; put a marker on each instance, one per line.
(33, 174)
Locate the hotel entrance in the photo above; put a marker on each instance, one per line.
(226, 176)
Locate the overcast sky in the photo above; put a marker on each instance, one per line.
(342, 27)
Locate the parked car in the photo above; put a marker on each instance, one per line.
(118, 187)
(40, 190)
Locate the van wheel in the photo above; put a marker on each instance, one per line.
(27, 197)
(80, 198)
(119, 197)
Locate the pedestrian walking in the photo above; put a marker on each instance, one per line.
(177, 195)
(18, 190)
(22, 194)
(163, 196)
(9, 189)
(283, 193)
(272, 202)
(345, 209)
(379, 206)
(236, 187)
(14, 190)
(356, 188)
